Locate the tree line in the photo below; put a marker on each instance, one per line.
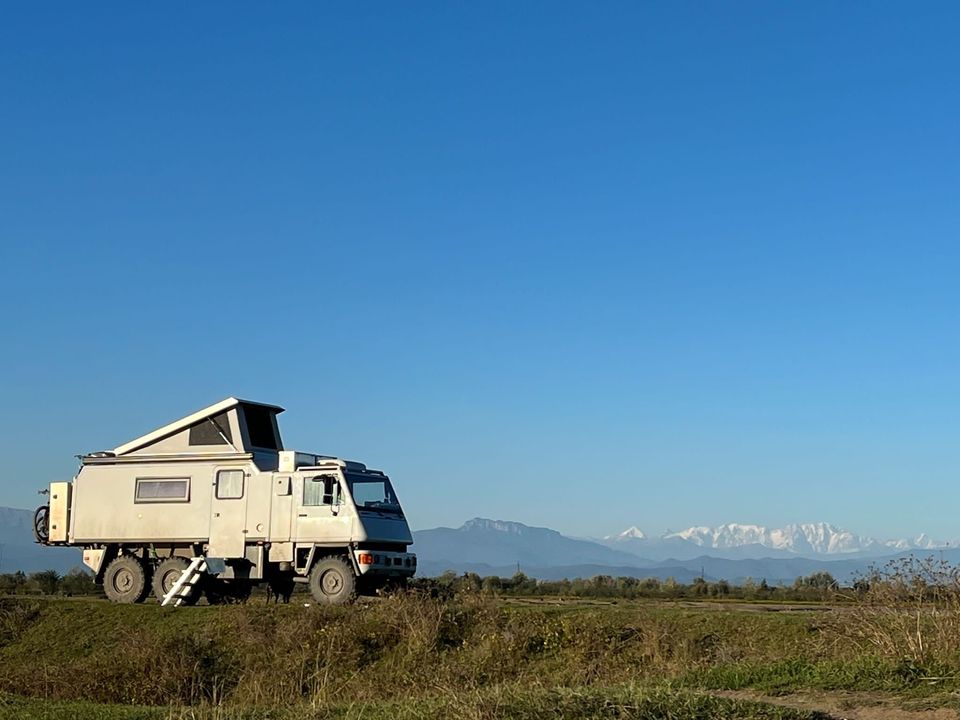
(49, 582)
(818, 586)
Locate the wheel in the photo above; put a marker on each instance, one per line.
(125, 580)
(166, 576)
(332, 582)
(41, 524)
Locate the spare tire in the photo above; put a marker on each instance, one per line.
(41, 524)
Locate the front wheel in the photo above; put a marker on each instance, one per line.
(332, 582)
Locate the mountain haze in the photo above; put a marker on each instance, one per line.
(18, 551)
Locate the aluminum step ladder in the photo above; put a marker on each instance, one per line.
(186, 584)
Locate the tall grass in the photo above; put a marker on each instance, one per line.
(907, 610)
(471, 651)
(406, 645)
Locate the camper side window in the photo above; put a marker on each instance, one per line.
(162, 490)
(229, 484)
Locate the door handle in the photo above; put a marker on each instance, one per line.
(302, 515)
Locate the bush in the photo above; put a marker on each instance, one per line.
(908, 609)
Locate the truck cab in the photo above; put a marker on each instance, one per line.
(216, 497)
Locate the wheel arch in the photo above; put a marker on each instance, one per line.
(316, 553)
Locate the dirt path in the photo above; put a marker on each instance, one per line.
(850, 705)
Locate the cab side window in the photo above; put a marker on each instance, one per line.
(321, 490)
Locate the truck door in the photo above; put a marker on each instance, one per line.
(322, 516)
(228, 512)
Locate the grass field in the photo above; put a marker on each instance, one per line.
(472, 657)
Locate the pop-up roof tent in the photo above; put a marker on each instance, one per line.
(229, 426)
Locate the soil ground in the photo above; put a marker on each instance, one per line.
(856, 705)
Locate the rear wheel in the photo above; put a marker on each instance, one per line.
(332, 582)
(125, 580)
(166, 575)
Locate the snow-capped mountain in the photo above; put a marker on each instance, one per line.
(817, 538)
(920, 542)
(807, 539)
(631, 533)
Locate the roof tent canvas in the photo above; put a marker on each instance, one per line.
(243, 425)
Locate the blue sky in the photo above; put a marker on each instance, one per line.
(575, 265)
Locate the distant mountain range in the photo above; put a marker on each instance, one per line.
(735, 540)
(501, 543)
(731, 552)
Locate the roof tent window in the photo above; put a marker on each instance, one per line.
(260, 427)
(212, 431)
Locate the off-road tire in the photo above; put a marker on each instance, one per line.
(41, 524)
(332, 582)
(167, 573)
(125, 580)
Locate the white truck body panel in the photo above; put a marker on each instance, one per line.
(60, 498)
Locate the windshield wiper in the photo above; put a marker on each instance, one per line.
(382, 507)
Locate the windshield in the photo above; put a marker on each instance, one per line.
(373, 493)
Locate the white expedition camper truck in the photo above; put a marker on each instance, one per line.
(212, 504)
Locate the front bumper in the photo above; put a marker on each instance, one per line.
(382, 563)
